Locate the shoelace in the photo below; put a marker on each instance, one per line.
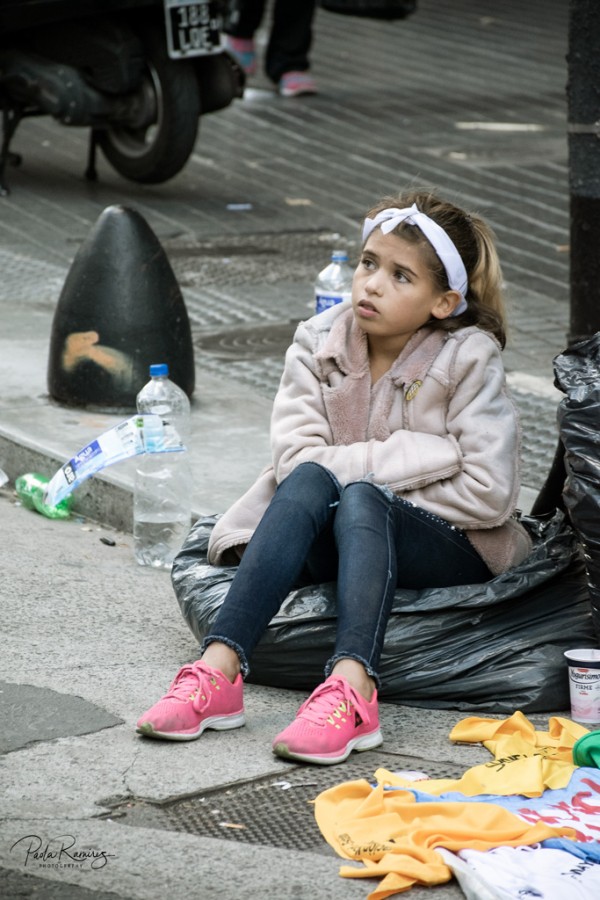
(330, 700)
(190, 682)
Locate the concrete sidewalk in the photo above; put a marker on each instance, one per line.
(467, 97)
(89, 641)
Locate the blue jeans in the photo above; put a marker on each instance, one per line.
(290, 35)
(363, 537)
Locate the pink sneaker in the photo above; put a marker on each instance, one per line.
(294, 84)
(200, 697)
(334, 721)
(244, 50)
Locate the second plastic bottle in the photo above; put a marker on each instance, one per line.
(334, 283)
(163, 481)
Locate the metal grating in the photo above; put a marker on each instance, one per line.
(539, 438)
(275, 810)
(258, 258)
(258, 343)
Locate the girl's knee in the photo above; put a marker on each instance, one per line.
(312, 473)
(363, 492)
(309, 486)
(359, 499)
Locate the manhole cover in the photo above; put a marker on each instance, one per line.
(254, 342)
(275, 810)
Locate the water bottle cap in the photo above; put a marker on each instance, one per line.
(159, 369)
(339, 256)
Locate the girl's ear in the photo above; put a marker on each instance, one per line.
(446, 304)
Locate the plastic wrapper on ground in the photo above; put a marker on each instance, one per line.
(577, 373)
(496, 646)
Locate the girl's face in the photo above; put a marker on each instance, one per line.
(393, 293)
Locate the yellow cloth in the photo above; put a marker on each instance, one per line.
(525, 761)
(395, 837)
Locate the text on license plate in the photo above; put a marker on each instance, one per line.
(192, 27)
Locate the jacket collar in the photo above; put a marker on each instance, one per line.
(346, 350)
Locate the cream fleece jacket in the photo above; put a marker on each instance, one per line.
(439, 429)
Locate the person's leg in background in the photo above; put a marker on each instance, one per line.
(287, 60)
(242, 20)
(290, 39)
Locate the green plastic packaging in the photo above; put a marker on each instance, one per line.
(586, 751)
(30, 490)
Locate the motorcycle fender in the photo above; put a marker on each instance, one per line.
(220, 81)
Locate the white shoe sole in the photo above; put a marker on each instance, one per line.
(365, 742)
(217, 723)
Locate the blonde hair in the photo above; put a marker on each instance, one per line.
(475, 242)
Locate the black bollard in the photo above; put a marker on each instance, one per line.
(120, 310)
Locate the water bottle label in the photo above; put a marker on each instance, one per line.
(82, 462)
(138, 434)
(326, 301)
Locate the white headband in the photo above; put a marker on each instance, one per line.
(437, 237)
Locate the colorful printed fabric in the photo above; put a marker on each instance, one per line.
(534, 872)
(577, 805)
(396, 838)
(395, 830)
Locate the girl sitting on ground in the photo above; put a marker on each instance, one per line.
(394, 465)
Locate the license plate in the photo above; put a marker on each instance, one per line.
(193, 28)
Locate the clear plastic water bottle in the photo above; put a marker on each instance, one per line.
(334, 283)
(163, 481)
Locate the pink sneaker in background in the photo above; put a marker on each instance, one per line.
(334, 721)
(244, 50)
(294, 84)
(200, 697)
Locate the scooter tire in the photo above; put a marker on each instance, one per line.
(155, 154)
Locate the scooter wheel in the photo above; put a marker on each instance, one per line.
(170, 107)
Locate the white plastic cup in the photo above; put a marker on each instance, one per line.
(584, 685)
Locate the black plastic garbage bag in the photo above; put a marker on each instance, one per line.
(577, 374)
(495, 647)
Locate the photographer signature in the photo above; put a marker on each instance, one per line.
(59, 851)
